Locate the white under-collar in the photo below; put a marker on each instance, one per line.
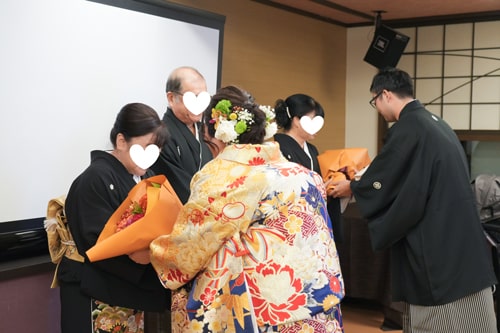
(306, 150)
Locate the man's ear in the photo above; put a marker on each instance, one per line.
(170, 97)
(388, 94)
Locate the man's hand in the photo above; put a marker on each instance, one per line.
(328, 187)
(341, 188)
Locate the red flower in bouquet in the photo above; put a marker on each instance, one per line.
(134, 212)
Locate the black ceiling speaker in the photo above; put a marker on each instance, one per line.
(386, 48)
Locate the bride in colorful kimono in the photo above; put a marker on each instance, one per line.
(252, 250)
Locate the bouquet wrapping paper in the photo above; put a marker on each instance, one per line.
(162, 209)
(341, 164)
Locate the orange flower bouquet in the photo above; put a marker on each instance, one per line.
(149, 211)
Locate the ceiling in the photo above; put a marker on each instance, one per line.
(350, 13)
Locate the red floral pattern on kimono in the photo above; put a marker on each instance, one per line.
(252, 250)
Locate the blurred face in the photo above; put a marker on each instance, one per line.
(194, 84)
(122, 151)
(305, 135)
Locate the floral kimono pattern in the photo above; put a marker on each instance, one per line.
(252, 248)
(115, 319)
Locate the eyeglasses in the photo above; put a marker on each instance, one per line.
(373, 101)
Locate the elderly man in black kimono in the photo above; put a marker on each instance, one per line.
(417, 198)
(186, 151)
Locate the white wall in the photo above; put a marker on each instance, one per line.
(67, 67)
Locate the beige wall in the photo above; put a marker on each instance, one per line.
(483, 112)
(273, 53)
(361, 119)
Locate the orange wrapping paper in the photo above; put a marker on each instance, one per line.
(162, 209)
(341, 164)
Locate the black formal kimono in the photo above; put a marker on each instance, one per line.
(182, 155)
(119, 281)
(293, 152)
(418, 200)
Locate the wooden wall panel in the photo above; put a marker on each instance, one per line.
(273, 53)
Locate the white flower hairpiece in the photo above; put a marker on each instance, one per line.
(231, 121)
(271, 126)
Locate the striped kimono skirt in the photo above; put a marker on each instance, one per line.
(472, 313)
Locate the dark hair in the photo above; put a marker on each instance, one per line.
(175, 79)
(238, 97)
(392, 79)
(298, 105)
(137, 119)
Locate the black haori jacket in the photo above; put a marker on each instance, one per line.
(181, 156)
(418, 200)
(118, 281)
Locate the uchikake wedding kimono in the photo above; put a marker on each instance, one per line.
(252, 250)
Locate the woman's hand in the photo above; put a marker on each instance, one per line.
(141, 257)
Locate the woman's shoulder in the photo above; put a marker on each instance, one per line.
(283, 139)
(103, 168)
(287, 144)
(100, 181)
(102, 164)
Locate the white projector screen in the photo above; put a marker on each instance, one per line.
(66, 69)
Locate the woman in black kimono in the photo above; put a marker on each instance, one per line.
(109, 295)
(293, 141)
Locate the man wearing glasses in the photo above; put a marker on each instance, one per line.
(186, 151)
(417, 198)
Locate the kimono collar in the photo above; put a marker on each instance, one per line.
(253, 154)
(411, 106)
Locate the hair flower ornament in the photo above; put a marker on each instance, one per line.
(271, 126)
(231, 121)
